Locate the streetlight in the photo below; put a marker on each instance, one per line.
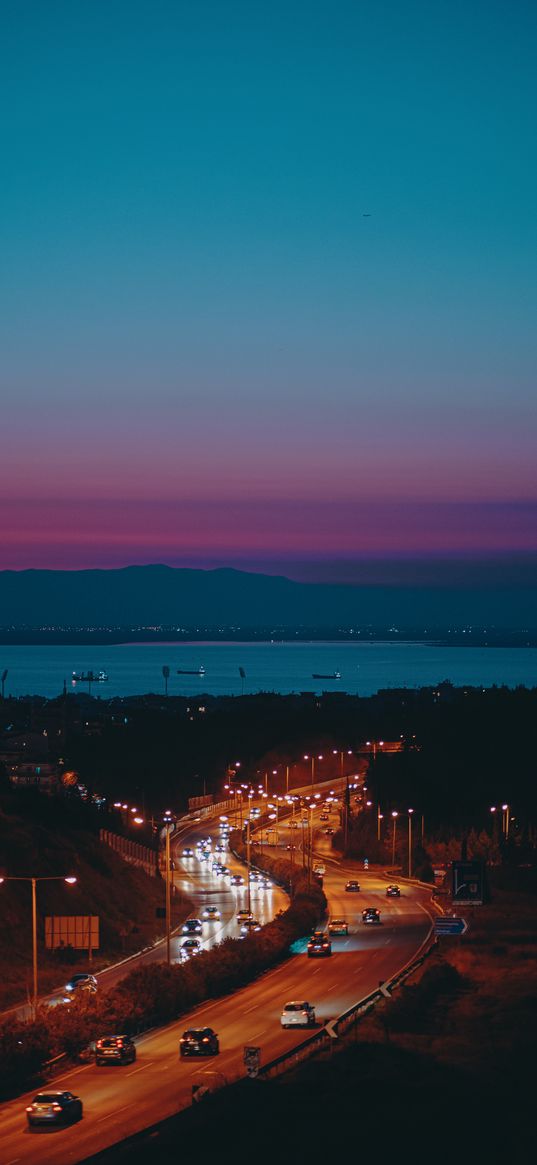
(58, 878)
(168, 821)
(379, 819)
(313, 759)
(394, 818)
(410, 812)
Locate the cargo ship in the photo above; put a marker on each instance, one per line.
(333, 675)
(191, 671)
(89, 677)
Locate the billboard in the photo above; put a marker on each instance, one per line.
(468, 883)
(80, 931)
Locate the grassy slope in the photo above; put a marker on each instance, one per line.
(41, 839)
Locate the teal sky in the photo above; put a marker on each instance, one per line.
(196, 311)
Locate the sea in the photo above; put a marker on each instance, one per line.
(282, 667)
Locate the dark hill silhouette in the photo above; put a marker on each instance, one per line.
(163, 595)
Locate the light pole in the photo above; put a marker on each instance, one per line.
(313, 759)
(505, 821)
(58, 878)
(379, 819)
(394, 818)
(410, 812)
(248, 864)
(168, 823)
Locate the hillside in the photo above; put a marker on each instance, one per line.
(43, 837)
(161, 595)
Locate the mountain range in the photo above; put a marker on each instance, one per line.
(156, 595)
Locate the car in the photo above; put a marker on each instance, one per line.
(219, 849)
(298, 1013)
(115, 1050)
(224, 872)
(253, 876)
(265, 884)
(236, 880)
(199, 1041)
(319, 946)
(370, 914)
(393, 892)
(323, 816)
(319, 868)
(212, 914)
(256, 812)
(352, 886)
(243, 915)
(54, 1108)
(338, 926)
(81, 982)
(249, 926)
(188, 852)
(193, 926)
(205, 842)
(192, 946)
(329, 832)
(293, 825)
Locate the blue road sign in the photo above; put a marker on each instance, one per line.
(449, 925)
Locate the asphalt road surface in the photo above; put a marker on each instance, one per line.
(119, 1100)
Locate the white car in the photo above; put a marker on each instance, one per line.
(298, 1013)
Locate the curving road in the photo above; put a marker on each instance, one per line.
(119, 1101)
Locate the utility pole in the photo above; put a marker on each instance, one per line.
(168, 896)
(248, 864)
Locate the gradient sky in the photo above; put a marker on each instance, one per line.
(209, 353)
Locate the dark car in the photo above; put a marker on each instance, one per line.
(192, 926)
(319, 946)
(323, 816)
(199, 1041)
(188, 852)
(250, 926)
(329, 831)
(82, 982)
(115, 1050)
(54, 1108)
(352, 886)
(370, 914)
(192, 946)
(393, 892)
(236, 880)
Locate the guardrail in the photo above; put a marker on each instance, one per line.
(324, 1039)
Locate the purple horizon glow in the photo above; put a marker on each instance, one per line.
(69, 534)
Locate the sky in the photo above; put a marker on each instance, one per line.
(268, 283)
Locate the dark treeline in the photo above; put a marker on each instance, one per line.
(463, 749)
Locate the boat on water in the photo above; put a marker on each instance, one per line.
(191, 671)
(89, 677)
(333, 675)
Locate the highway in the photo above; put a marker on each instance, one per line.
(121, 1100)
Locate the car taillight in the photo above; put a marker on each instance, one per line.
(29, 1108)
(56, 1107)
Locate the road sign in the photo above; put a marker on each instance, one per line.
(468, 883)
(252, 1058)
(366, 863)
(450, 925)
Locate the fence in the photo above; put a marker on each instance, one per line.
(131, 851)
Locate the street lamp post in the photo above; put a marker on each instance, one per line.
(410, 812)
(394, 818)
(168, 823)
(379, 819)
(58, 878)
(248, 864)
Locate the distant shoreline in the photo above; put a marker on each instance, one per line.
(139, 637)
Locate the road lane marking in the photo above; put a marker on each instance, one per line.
(253, 1008)
(13, 1161)
(114, 1113)
(258, 1034)
(148, 1065)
